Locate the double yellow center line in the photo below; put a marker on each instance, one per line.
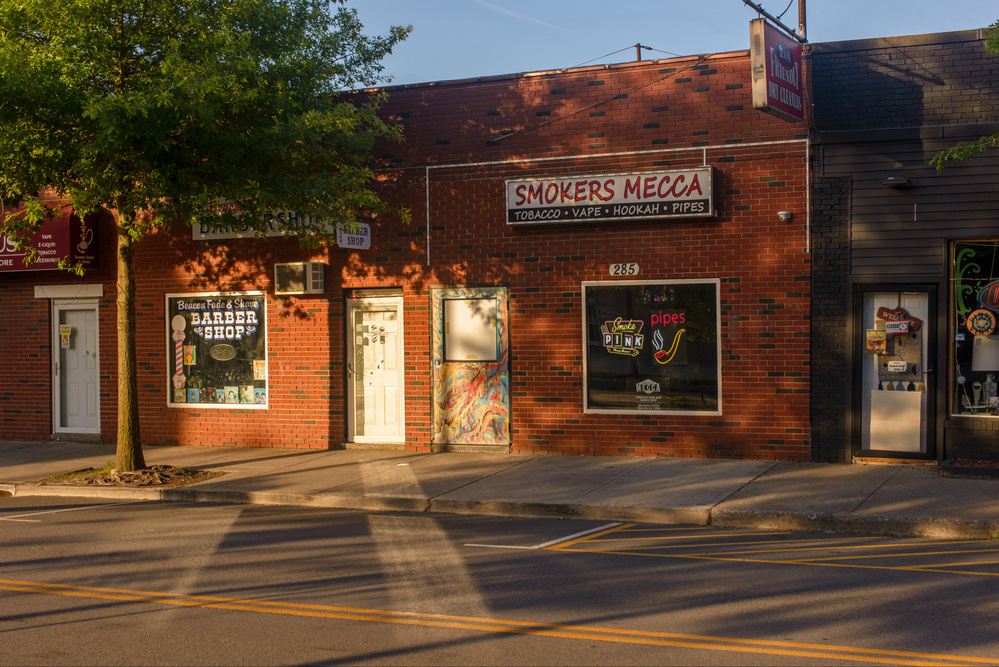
(564, 631)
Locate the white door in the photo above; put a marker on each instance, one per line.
(76, 381)
(375, 371)
(896, 382)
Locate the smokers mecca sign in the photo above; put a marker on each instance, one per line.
(641, 195)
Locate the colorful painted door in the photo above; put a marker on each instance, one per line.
(471, 366)
(375, 371)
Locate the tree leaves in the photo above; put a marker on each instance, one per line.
(968, 149)
(165, 107)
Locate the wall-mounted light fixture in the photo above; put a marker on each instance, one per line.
(896, 182)
(784, 216)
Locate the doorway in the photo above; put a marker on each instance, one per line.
(471, 368)
(75, 368)
(375, 380)
(897, 379)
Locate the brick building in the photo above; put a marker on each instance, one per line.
(904, 353)
(600, 261)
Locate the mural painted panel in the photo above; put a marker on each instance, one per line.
(471, 391)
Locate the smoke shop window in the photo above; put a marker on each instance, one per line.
(217, 350)
(976, 341)
(652, 347)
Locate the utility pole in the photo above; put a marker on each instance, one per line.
(776, 21)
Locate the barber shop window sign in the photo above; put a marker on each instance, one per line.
(217, 350)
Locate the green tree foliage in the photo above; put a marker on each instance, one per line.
(967, 149)
(155, 110)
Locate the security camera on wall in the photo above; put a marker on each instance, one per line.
(784, 216)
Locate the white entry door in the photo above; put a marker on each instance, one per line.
(376, 411)
(76, 384)
(897, 385)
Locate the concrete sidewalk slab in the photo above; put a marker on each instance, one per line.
(23, 462)
(889, 499)
(670, 483)
(431, 476)
(919, 492)
(826, 488)
(661, 490)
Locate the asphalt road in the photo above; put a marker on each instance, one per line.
(154, 583)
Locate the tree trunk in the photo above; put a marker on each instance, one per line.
(128, 456)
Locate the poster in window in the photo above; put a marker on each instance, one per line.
(217, 350)
(652, 346)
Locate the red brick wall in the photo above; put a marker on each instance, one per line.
(642, 117)
(475, 134)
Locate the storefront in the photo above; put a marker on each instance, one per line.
(606, 260)
(904, 297)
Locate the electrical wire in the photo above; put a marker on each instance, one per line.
(781, 15)
(641, 46)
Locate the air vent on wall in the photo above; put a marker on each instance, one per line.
(299, 278)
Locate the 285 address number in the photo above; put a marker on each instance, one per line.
(624, 269)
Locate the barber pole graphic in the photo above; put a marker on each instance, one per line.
(179, 323)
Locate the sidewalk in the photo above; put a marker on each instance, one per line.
(909, 500)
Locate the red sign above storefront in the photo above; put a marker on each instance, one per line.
(63, 237)
(775, 60)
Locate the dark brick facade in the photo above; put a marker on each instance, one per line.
(882, 109)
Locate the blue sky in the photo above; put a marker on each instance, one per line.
(456, 39)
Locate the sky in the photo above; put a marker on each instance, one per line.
(458, 39)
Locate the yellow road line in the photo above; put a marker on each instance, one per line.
(702, 642)
(694, 545)
(680, 537)
(763, 561)
(818, 548)
(905, 555)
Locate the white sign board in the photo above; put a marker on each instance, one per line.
(357, 237)
(631, 196)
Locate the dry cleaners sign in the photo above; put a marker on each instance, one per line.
(775, 58)
(642, 195)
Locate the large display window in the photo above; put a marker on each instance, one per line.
(217, 350)
(652, 346)
(975, 295)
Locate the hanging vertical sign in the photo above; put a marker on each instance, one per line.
(777, 83)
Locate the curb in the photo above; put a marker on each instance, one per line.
(890, 526)
(720, 517)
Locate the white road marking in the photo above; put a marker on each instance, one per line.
(550, 543)
(17, 517)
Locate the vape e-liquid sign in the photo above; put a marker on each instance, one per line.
(654, 195)
(65, 237)
(777, 83)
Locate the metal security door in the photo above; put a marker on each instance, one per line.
(897, 380)
(75, 380)
(375, 371)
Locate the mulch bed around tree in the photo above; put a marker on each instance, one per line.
(160, 476)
